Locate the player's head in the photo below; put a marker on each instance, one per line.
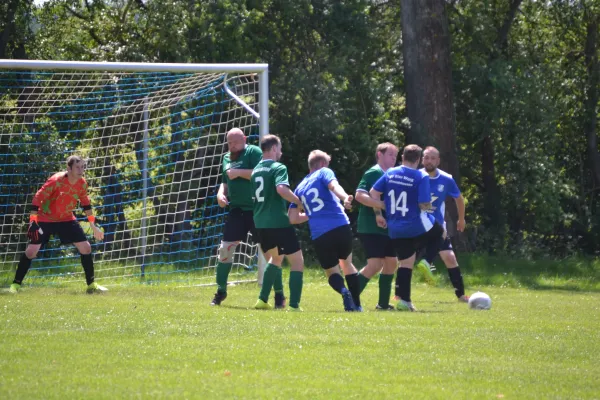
(411, 155)
(271, 147)
(236, 141)
(387, 155)
(318, 159)
(431, 158)
(76, 166)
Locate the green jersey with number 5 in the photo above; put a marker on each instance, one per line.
(270, 209)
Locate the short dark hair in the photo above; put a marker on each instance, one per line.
(74, 160)
(412, 153)
(267, 142)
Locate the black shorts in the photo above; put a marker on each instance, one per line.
(238, 224)
(377, 246)
(333, 246)
(445, 244)
(68, 232)
(284, 239)
(406, 247)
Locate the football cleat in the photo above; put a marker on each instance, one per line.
(425, 269)
(219, 297)
(261, 305)
(464, 298)
(405, 306)
(295, 309)
(388, 307)
(14, 288)
(95, 288)
(280, 301)
(348, 302)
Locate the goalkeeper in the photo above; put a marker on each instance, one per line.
(52, 214)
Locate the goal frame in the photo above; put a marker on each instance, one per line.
(262, 69)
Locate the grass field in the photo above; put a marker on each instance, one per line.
(540, 340)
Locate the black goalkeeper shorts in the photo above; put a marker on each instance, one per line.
(68, 232)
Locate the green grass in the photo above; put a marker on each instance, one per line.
(165, 342)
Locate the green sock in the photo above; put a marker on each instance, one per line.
(385, 289)
(278, 284)
(268, 279)
(223, 270)
(363, 280)
(295, 288)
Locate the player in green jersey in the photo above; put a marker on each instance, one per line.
(379, 249)
(277, 237)
(236, 192)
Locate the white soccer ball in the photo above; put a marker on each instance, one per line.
(480, 301)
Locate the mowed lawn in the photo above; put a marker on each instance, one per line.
(166, 342)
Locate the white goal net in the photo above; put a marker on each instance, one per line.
(154, 138)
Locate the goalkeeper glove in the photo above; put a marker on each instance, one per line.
(34, 231)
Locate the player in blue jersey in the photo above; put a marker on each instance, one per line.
(407, 197)
(329, 226)
(443, 185)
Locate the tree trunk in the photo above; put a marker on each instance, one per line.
(591, 97)
(428, 80)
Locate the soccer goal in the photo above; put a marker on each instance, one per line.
(153, 136)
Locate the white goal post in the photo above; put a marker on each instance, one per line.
(154, 138)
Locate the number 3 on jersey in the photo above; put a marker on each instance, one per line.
(399, 204)
(261, 185)
(314, 200)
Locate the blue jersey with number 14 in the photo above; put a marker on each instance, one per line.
(324, 210)
(403, 189)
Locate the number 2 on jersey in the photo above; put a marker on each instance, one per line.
(399, 204)
(259, 189)
(314, 200)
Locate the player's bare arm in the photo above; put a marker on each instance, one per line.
(234, 173)
(341, 194)
(222, 195)
(379, 218)
(366, 200)
(285, 192)
(98, 234)
(425, 206)
(460, 205)
(296, 216)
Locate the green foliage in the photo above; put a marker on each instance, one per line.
(336, 84)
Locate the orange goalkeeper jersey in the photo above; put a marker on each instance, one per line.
(58, 198)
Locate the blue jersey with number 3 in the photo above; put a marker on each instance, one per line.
(403, 189)
(324, 210)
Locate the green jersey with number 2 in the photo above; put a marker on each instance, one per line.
(270, 209)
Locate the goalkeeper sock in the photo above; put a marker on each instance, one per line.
(363, 280)
(268, 279)
(337, 282)
(88, 267)
(354, 287)
(385, 289)
(457, 281)
(278, 284)
(223, 270)
(22, 268)
(296, 278)
(403, 280)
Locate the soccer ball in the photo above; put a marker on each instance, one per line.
(480, 301)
